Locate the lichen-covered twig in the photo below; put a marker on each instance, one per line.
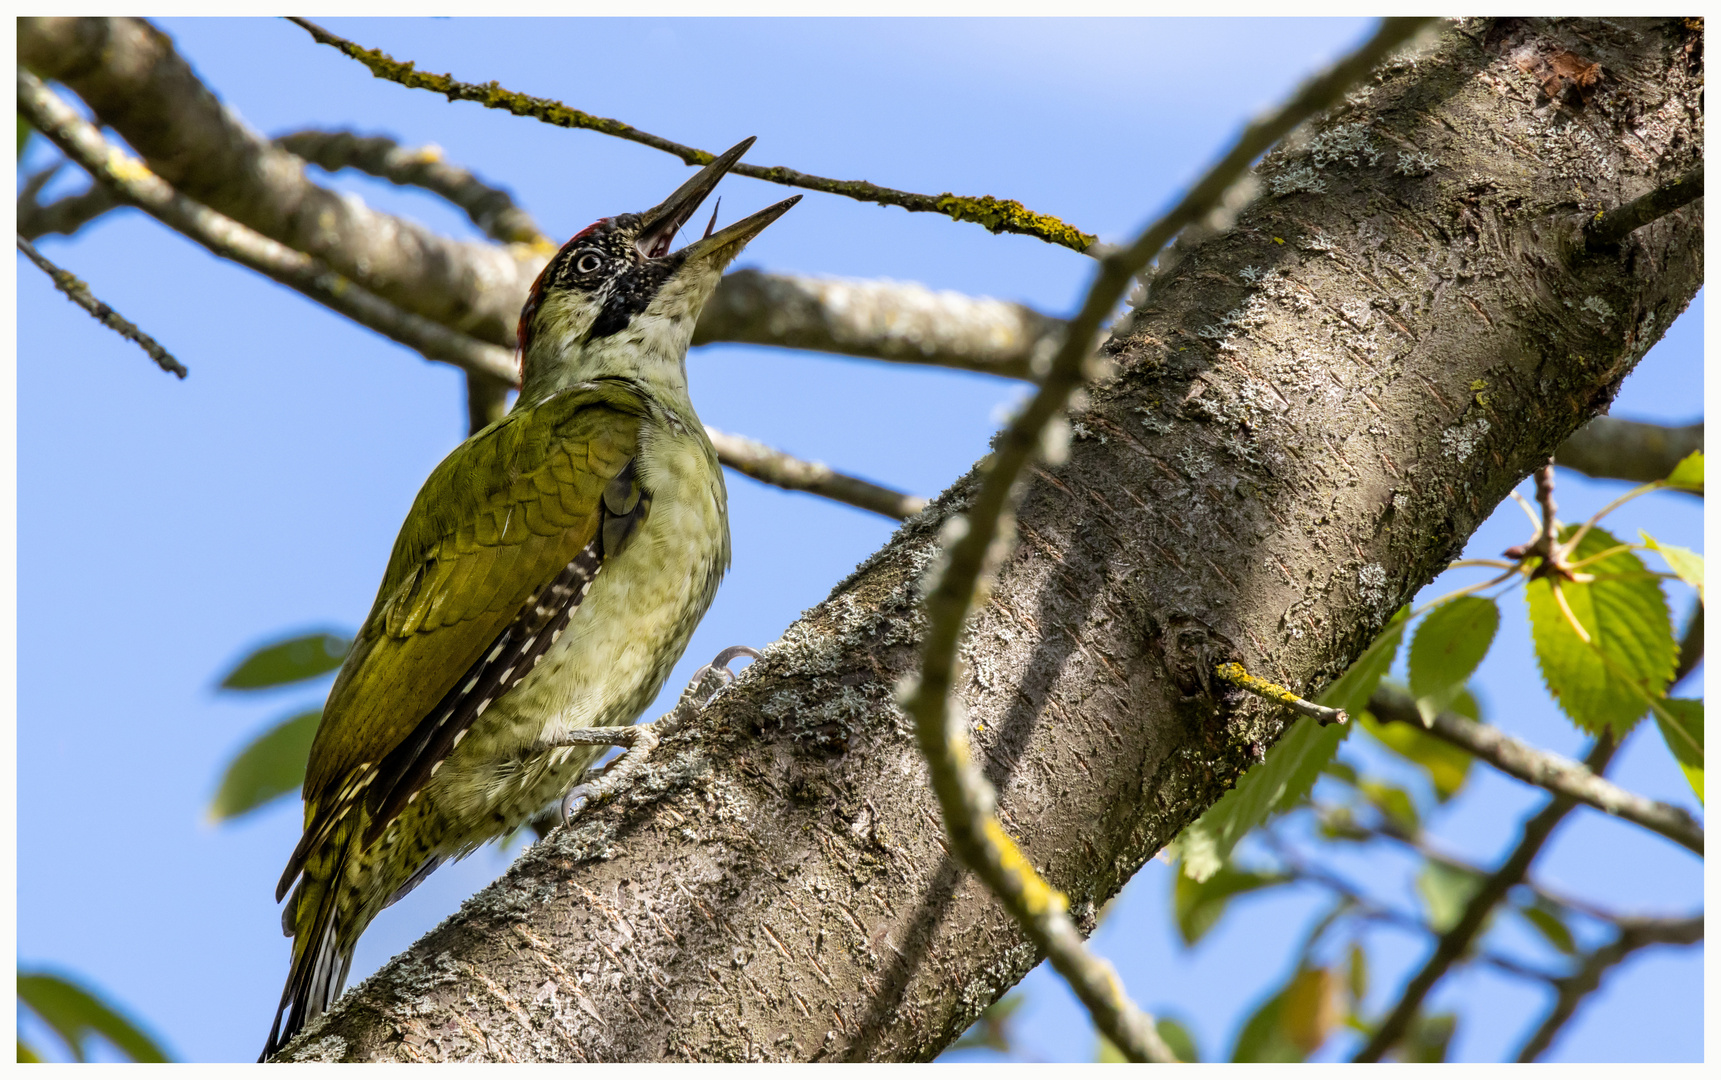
(79, 140)
(1489, 892)
(963, 793)
(772, 466)
(1608, 228)
(491, 209)
(997, 215)
(1634, 934)
(79, 293)
(1539, 767)
(897, 321)
(1234, 674)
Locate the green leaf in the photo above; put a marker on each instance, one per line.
(1682, 561)
(1352, 689)
(26, 1055)
(1261, 1039)
(1445, 890)
(1356, 973)
(1291, 765)
(272, 766)
(1178, 1038)
(1428, 1039)
(1688, 474)
(1293, 1023)
(1449, 645)
(24, 133)
(1199, 904)
(1550, 925)
(74, 1014)
(288, 661)
(1447, 766)
(1608, 684)
(1682, 729)
(1395, 803)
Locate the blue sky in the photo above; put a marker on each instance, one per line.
(261, 495)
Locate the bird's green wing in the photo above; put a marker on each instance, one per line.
(511, 512)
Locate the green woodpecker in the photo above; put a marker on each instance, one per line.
(546, 580)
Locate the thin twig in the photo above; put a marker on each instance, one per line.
(79, 293)
(1492, 889)
(997, 215)
(1546, 770)
(79, 140)
(490, 208)
(1234, 674)
(771, 466)
(1633, 935)
(1607, 229)
(65, 216)
(964, 795)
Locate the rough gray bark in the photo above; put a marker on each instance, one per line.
(1308, 416)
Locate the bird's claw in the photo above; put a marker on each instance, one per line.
(641, 739)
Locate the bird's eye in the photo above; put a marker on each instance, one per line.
(588, 262)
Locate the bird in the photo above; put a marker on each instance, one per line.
(547, 578)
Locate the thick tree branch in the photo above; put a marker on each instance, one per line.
(1539, 767)
(1611, 449)
(881, 320)
(490, 208)
(1634, 934)
(79, 293)
(1455, 942)
(997, 215)
(128, 178)
(771, 466)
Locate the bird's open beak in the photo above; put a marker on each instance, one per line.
(663, 221)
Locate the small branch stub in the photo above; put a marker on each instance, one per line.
(1235, 675)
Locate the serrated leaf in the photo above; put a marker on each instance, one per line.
(1688, 474)
(74, 1013)
(1606, 685)
(1276, 784)
(1445, 890)
(1394, 802)
(1447, 766)
(1682, 561)
(1682, 730)
(1199, 904)
(1551, 927)
(271, 766)
(292, 660)
(1448, 646)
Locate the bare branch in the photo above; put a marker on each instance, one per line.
(1456, 941)
(1546, 770)
(1607, 229)
(79, 293)
(128, 72)
(1633, 935)
(770, 466)
(1611, 449)
(963, 793)
(486, 401)
(65, 216)
(84, 144)
(881, 320)
(997, 215)
(491, 209)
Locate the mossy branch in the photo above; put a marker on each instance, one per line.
(79, 293)
(996, 215)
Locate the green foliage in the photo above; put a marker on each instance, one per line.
(1688, 474)
(1681, 724)
(1294, 1022)
(1177, 1039)
(1445, 889)
(1356, 973)
(1550, 922)
(1448, 646)
(292, 660)
(1625, 615)
(1291, 765)
(74, 1014)
(1447, 766)
(272, 766)
(1199, 904)
(1394, 803)
(24, 133)
(1682, 561)
(1428, 1039)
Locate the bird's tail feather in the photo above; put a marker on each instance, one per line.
(320, 960)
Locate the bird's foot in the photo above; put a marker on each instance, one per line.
(641, 739)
